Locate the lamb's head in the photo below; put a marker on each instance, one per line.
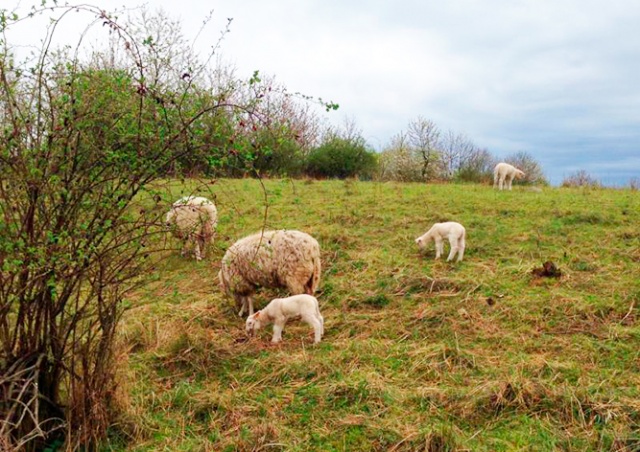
(254, 323)
(421, 242)
(519, 174)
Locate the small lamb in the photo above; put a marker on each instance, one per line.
(455, 232)
(503, 175)
(279, 310)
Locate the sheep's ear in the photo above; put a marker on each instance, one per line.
(256, 315)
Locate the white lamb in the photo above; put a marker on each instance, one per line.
(456, 234)
(279, 310)
(193, 219)
(505, 172)
(288, 259)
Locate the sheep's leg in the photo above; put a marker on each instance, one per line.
(509, 180)
(244, 305)
(200, 248)
(278, 326)
(501, 183)
(196, 246)
(439, 247)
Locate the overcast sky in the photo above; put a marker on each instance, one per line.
(558, 79)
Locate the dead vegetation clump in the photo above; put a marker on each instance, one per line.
(548, 270)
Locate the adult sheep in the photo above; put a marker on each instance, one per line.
(283, 258)
(193, 219)
(505, 172)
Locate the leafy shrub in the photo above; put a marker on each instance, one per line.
(341, 158)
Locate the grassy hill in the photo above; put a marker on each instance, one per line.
(418, 354)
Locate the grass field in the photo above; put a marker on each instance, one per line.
(418, 354)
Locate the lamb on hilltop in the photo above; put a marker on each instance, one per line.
(284, 258)
(503, 172)
(279, 310)
(193, 219)
(456, 234)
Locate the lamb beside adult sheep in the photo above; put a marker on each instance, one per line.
(279, 310)
(456, 234)
(283, 258)
(503, 172)
(193, 219)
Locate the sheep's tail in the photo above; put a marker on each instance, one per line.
(314, 280)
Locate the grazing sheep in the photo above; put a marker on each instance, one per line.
(456, 234)
(289, 259)
(279, 310)
(505, 172)
(193, 219)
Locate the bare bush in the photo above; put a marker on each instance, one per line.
(533, 173)
(423, 136)
(398, 162)
(580, 178)
(455, 148)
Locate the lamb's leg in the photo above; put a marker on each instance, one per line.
(454, 250)
(316, 324)
(278, 326)
(509, 180)
(461, 246)
(439, 247)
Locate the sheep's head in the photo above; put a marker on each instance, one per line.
(169, 219)
(519, 174)
(254, 323)
(420, 242)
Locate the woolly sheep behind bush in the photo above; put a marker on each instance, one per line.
(193, 219)
(287, 259)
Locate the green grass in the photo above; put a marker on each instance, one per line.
(418, 354)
